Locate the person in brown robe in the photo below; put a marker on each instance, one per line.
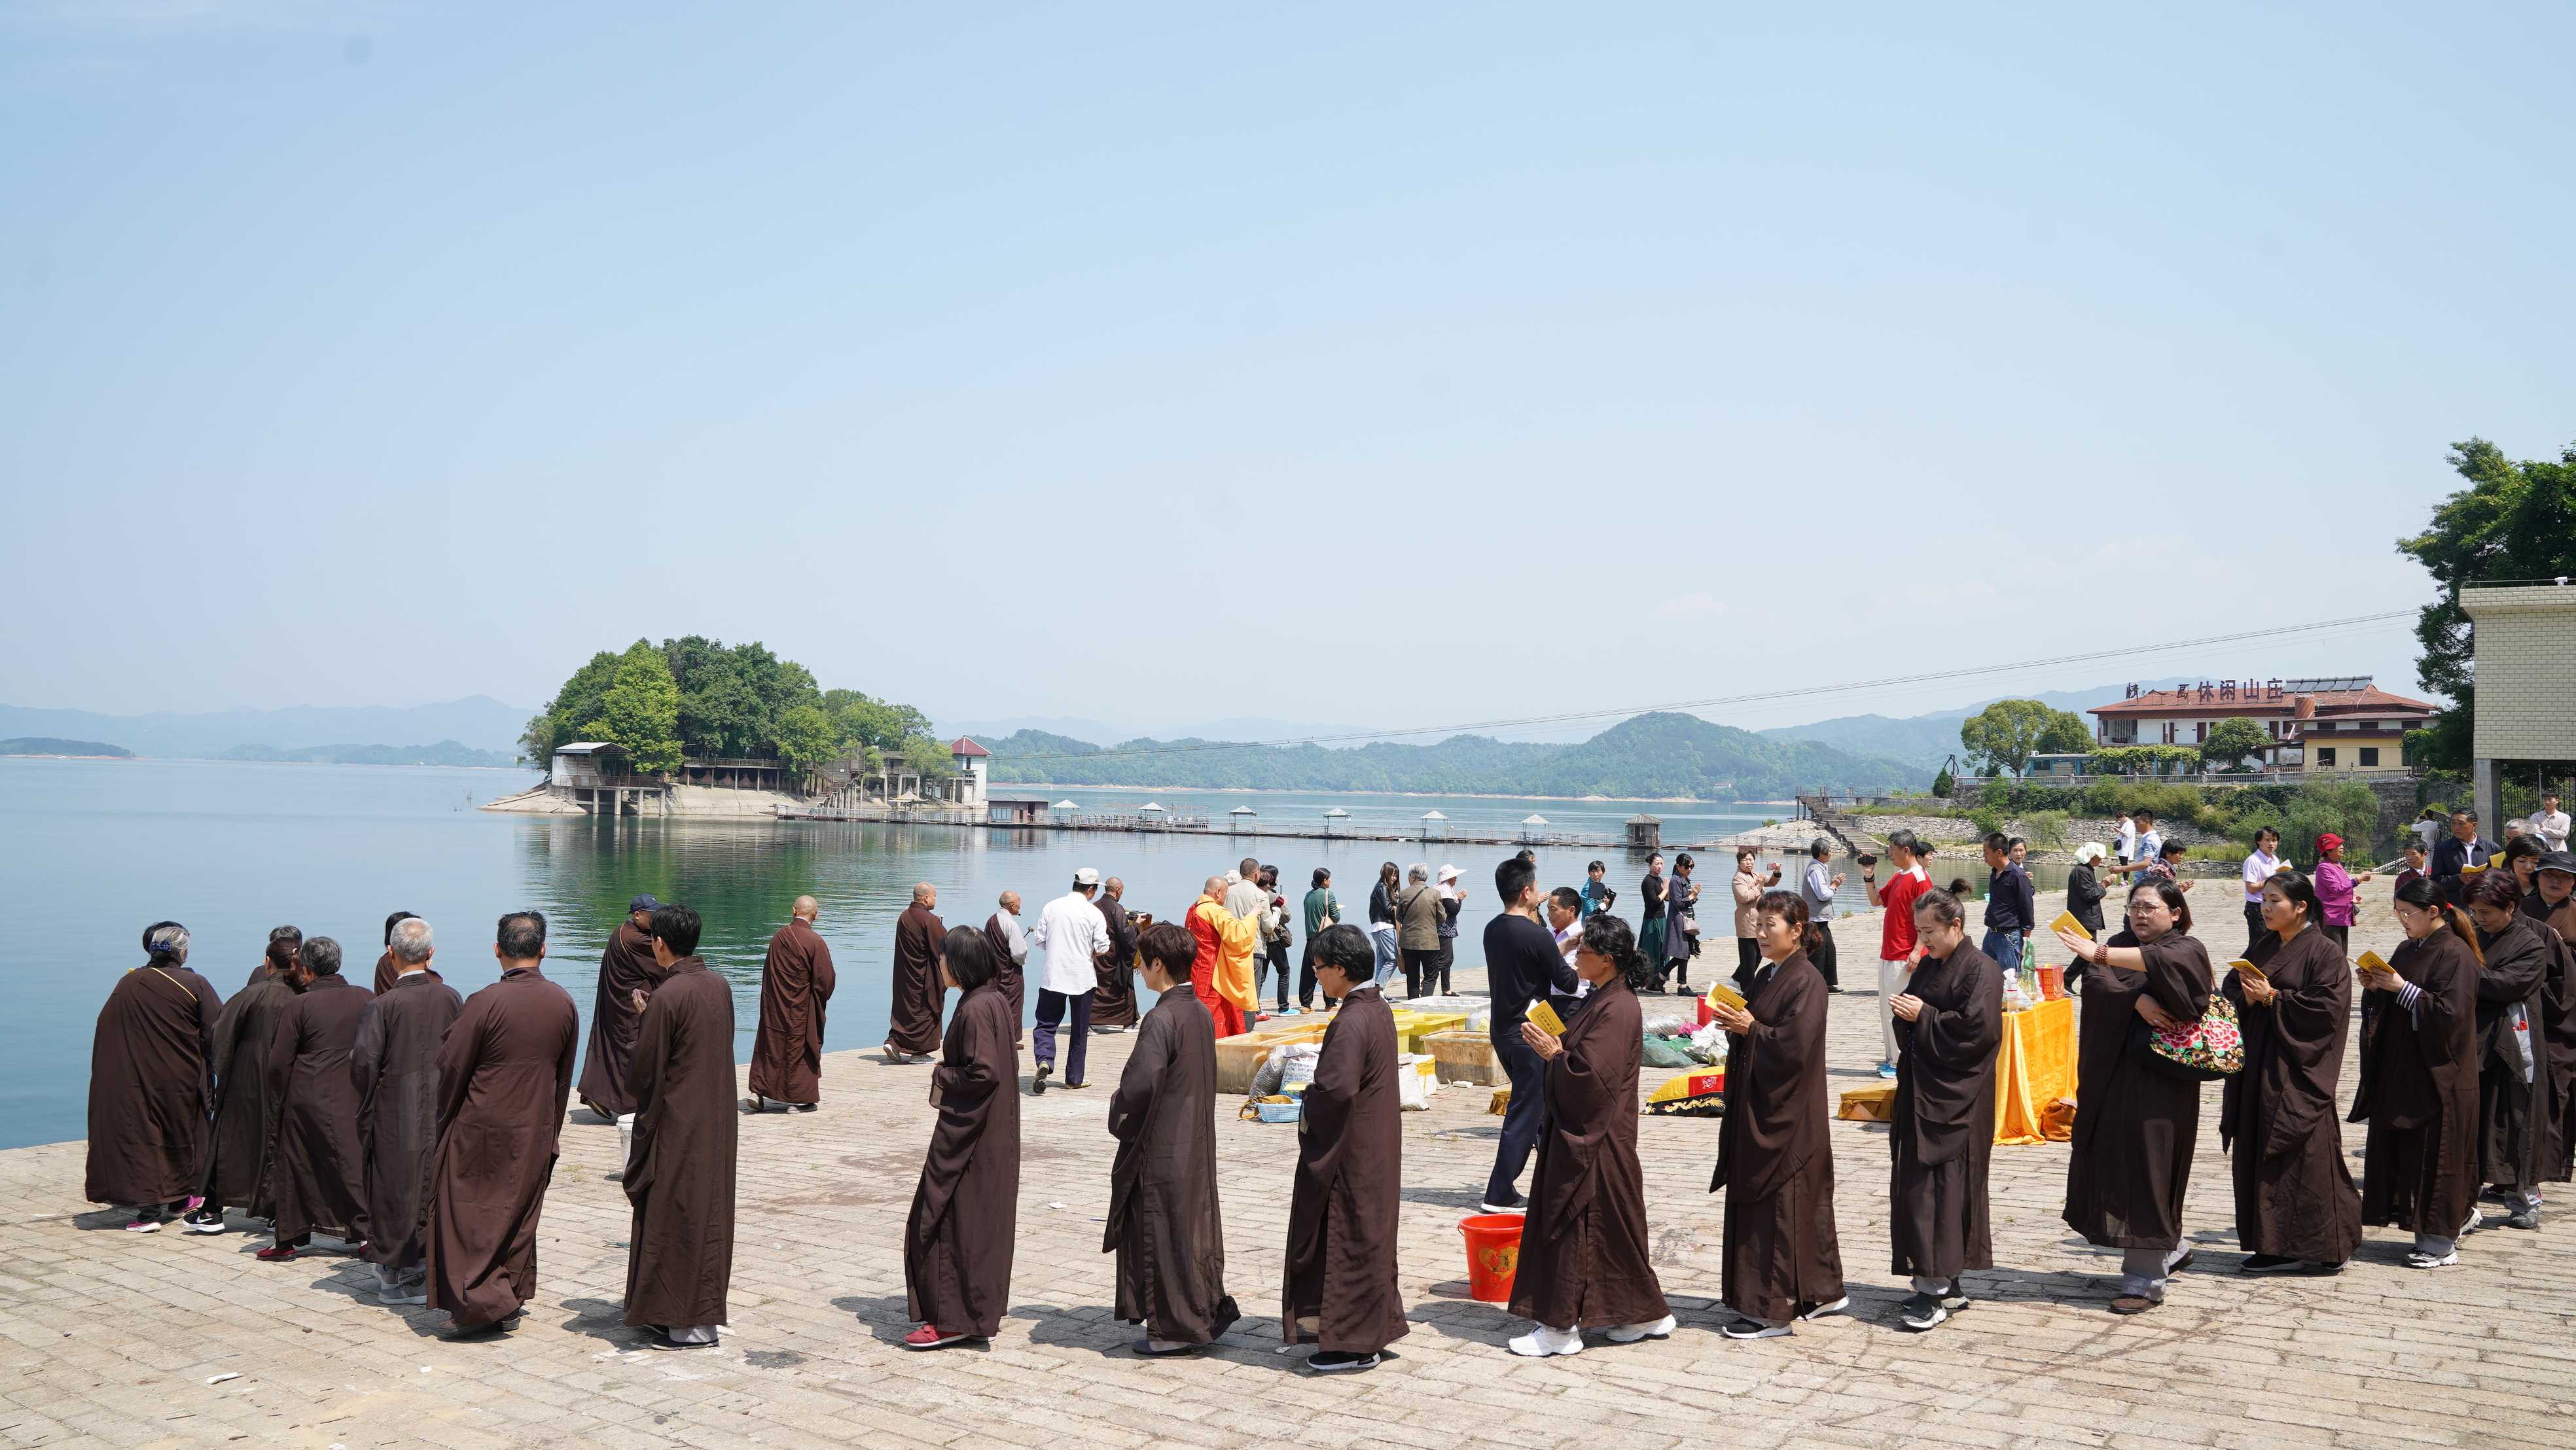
(1010, 948)
(1340, 1288)
(2420, 1097)
(1584, 1261)
(387, 968)
(680, 1178)
(920, 938)
(2556, 880)
(1941, 1125)
(277, 962)
(2513, 1092)
(2296, 1207)
(316, 1173)
(1113, 1001)
(394, 1066)
(151, 1084)
(796, 982)
(237, 1174)
(625, 969)
(1164, 1223)
(957, 1240)
(504, 1075)
(1774, 1158)
(2135, 1123)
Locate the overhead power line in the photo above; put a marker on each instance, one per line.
(1759, 697)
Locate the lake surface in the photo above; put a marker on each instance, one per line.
(93, 851)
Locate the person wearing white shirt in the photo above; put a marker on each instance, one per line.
(2261, 866)
(2551, 824)
(1071, 931)
(1565, 923)
(2128, 837)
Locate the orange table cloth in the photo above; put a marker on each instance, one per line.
(2034, 1068)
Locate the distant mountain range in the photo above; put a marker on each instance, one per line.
(1927, 740)
(1646, 757)
(445, 752)
(1089, 731)
(478, 722)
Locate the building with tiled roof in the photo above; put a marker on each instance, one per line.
(2339, 723)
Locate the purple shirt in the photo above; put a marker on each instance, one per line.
(2334, 892)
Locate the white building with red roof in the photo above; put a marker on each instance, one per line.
(2336, 723)
(974, 764)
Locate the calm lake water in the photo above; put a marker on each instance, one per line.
(92, 851)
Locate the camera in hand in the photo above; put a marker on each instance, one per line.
(1867, 859)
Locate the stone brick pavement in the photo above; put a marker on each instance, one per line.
(111, 1337)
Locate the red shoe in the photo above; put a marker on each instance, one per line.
(276, 1253)
(929, 1336)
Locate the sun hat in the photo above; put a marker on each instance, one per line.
(2091, 851)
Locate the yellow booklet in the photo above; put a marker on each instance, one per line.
(2066, 922)
(2245, 968)
(1723, 995)
(2475, 870)
(1547, 1020)
(2370, 962)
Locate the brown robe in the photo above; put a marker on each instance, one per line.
(150, 1088)
(2294, 1197)
(394, 1067)
(1941, 1127)
(1010, 975)
(1343, 1206)
(920, 944)
(795, 983)
(504, 1075)
(1584, 1247)
(315, 1169)
(680, 1177)
(2419, 1166)
(625, 967)
(1113, 1000)
(2135, 1126)
(1164, 1222)
(2558, 1035)
(1774, 1158)
(2513, 1112)
(238, 1177)
(957, 1241)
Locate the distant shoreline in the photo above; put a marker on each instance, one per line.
(219, 760)
(1458, 795)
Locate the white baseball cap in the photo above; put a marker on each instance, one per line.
(1087, 876)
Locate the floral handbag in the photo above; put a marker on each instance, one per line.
(2203, 1051)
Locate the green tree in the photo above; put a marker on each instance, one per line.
(805, 737)
(572, 709)
(927, 756)
(641, 712)
(2513, 521)
(2006, 734)
(2230, 742)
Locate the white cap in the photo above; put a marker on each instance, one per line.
(1087, 876)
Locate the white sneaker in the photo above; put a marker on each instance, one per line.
(1521, 1208)
(1631, 1333)
(2418, 1259)
(1754, 1329)
(404, 1294)
(1542, 1341)
(1821, 1310)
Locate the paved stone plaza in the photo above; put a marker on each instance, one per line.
(112, 1337)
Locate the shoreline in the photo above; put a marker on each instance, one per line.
(1454, 795)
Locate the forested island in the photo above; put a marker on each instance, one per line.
(1647, 757)
(48, 745)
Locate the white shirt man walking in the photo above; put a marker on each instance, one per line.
(1071, 931)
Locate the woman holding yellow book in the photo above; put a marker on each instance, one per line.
(2419, 1166)
(1774, 1158)
(2296, 1208)
(1584, 1252)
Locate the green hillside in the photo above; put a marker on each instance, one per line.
(1653, 755)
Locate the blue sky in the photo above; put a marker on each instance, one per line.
(1383, 364)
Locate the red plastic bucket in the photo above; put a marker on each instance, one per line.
(1493, 1255)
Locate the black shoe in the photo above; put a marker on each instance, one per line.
(2527, 1217)
(2267, 1264)
(807, 1107)
(1339, 1361)
(1037, 1085)
(2189, 1257)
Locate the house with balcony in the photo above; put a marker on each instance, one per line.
(2340, 724)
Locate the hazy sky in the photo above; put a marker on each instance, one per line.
(1385, 364)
